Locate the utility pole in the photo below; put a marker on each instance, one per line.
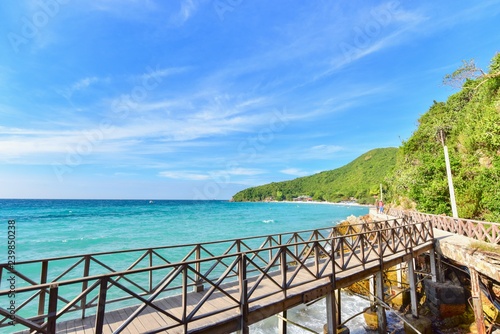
(448, 173)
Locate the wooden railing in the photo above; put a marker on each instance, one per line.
(476, 229)
(214, 268)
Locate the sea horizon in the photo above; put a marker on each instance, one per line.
(51, 228)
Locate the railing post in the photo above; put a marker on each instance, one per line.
(341, 241)
(362, 237)
(43, 280)
(270, 251)
(101, 305)
(198, 282)
(283, 269)
(242, 278)
(333, 256)
(316, 258)
(86, 272)
(280, 242)
(150, 275)
(296, 246)
(184, 298)
(52, 314)
(431, 230)
(380, 249)
(405, 235)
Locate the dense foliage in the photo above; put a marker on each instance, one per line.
(359, 179)
(470, 123)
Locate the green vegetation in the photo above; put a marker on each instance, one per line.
(360, 179)
(470, 123)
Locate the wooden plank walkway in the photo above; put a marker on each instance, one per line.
(242, 285)
(274, 301)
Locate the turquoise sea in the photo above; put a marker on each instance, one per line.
(53, 228)
(50, 228)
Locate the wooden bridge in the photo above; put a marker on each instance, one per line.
(213, 287)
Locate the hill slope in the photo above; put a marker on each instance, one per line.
(360, 178)
(470, 120)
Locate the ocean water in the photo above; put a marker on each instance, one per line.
(53, 228)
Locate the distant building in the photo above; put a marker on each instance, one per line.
(303, 198)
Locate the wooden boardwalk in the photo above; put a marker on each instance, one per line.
(273, 302)
(224, 293)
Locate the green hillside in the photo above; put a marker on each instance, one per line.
(360, 179)
(470, 121)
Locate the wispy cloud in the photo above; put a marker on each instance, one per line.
(81, 85)
(294, 172)
(188, 7)
(184, 175)
(243, 171)
(196, 101)
(163, 72)
(222, 175)
(399, 28)
(153, 128)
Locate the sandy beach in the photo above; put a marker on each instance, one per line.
(324, 202)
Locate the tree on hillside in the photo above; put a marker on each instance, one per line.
(470, 119)
(469, 71)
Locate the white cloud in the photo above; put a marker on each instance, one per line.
(294, 172)
(84, 83)
(181, 175)
(188, 7)
(163, 72)
(223, 175)
(80, 85)
(137, 135)
(245, 171)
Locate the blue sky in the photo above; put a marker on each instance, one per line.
(186, 99)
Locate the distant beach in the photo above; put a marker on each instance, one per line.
(323, 202)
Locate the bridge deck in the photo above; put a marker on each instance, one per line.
(243, 282)
(150, 320)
